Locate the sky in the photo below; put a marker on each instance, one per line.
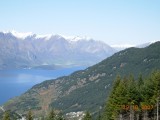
(116, 22)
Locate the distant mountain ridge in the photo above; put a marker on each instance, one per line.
(125, 46)
(27, 50)
(87, 89)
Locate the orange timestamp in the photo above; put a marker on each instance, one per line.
(136, 107)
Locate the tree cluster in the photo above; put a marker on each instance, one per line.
(134, 99)
(30, 116)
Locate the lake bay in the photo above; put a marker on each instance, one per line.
(15, 82)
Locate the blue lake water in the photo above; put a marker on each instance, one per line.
(15, 82)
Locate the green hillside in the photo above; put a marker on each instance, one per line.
(89, 88)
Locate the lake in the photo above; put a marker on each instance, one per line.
(15, 82)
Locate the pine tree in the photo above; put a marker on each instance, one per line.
(154, 88)
(87, 116)
(155, 79)
(59, 117)
(52, 115)
(123, 96)
(99, 117)
(140, 81)
(29, 115)
(139, 87)
(121, 99)
(131, 96)
(6, 116)
(114, 101)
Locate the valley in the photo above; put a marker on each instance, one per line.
(87, 89)
(80, 60)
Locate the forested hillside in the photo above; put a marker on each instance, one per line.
(88, 89)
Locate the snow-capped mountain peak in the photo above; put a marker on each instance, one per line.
(19, 35)
(76, 38)
(24, 35)
(35, 50)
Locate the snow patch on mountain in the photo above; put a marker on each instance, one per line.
(76, 38)
(19, 35)
(24, 35)
(35, 50)
(146, 44)
(122, 46)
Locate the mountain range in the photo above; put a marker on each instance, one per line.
(20, 50)
(87, 89)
